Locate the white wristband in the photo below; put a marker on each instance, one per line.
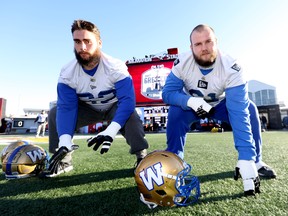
(112, 129)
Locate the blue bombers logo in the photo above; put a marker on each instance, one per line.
(35, 155)
(152, 175)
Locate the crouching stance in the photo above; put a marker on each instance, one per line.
(93, 87)
(194, 90)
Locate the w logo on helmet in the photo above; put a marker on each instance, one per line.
(151, 175)
(164, 179)
(24, 161)
(35, 154)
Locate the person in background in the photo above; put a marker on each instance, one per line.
(194, 90)
(8, 126)
(93, 87)
(264, 122)
(41, 120)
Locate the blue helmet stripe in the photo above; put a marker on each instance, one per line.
(11, 157)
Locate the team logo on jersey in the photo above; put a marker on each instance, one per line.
(176, 62)
(152, 175)
(202, 84)
(92, 87)
(236, 67)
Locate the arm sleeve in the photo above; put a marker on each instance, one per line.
(173, 93)
(237, 103)
(126, 100)
(67, 109)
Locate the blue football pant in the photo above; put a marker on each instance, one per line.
(179, 122)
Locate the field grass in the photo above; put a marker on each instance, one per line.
(104, 184)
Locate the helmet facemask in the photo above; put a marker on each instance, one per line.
(188, 187)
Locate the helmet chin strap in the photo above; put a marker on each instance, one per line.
(150, 205)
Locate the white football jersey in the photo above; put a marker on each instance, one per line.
(42, 117)
(97, 90)
(225, 74)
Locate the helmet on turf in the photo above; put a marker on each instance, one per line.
(11, 147)
(163, 179)
(24, 161)
(217, 129)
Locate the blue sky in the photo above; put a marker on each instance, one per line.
(36, 42)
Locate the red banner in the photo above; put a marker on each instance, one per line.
(149, 76)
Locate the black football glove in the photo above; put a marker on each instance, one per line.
(104, 140)
(55, 160)
(204, 114)
(251, 181)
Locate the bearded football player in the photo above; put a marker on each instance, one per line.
(205, 82)
(93, 87)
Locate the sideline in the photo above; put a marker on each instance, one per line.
(7, 139)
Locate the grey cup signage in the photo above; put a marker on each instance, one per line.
(153, 80)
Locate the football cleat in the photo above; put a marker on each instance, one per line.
(60, 162)
(63, 167)
(266, 172)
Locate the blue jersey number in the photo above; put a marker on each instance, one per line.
(211, 97)
(102, 98)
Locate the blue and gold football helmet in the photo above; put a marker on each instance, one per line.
(163, 179)
(11, 147)
(21, 160)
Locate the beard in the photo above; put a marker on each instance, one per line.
(91, 61)
(205, 63)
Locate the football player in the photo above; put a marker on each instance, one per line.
(93, 87)
(205, 82)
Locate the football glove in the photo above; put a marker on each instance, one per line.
(99, 140)
(201, 107)
(55, 160)
(105, 138)
(251, 181)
